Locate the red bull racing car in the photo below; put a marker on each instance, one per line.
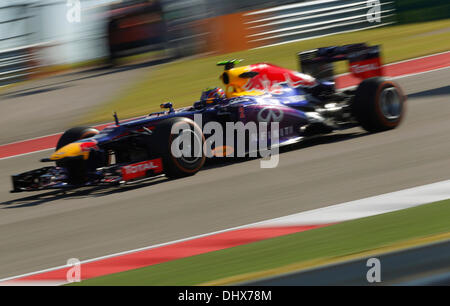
(302, 104)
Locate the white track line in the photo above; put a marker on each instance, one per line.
(30, 139)
(366, 207)
(24, 154)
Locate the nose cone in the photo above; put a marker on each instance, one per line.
(71, 150)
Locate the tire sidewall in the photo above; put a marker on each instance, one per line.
(75, 134)
(72, 135)
(367, 105)
(385, 122)
(162, 145)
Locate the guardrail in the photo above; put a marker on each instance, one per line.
(17, 64)
(311, 19)
(16, 32)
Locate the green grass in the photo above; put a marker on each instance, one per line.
(182, 82)
(338, 240)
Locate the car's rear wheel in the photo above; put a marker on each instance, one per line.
(379, 104)
(179, 142)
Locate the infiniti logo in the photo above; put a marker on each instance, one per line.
(364, 68)
(268, 114)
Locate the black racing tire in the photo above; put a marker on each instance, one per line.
(75, 134)
(379, 104)
(161, 143)
(75, 168)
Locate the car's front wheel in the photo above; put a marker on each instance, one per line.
(179, 141)
(75, 168)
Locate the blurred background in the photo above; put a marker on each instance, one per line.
(42, 33)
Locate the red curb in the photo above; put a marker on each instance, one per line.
(157, 255)
(33, 145)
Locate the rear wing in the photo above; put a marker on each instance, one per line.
(364, 61)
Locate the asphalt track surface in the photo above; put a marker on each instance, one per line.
(43, 230)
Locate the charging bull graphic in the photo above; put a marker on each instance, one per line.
(270, 78)
(259, 78)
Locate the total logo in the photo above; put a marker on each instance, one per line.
(140, 169)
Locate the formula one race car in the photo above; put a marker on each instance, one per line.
(301, 104)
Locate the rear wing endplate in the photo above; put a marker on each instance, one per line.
(364, 61)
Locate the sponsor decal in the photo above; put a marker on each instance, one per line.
(241, 112)
(140, 169)
(366, 68)
(297, 98)
(88, 145)
(286, 131)
(272, 79)
(269, 114)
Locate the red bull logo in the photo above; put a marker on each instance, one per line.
(271, 78)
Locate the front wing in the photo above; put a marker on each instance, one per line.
(54, 177)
